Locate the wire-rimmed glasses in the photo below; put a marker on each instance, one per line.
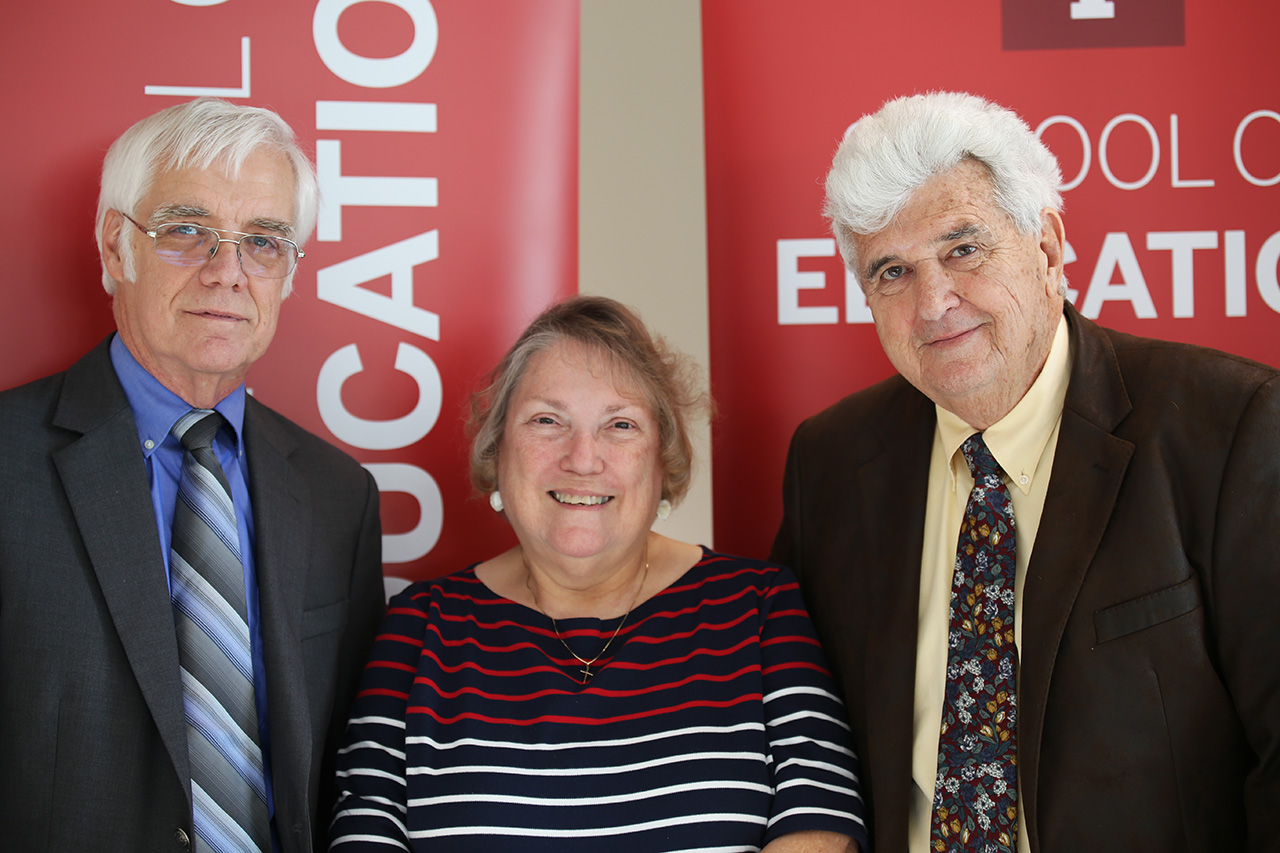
(186, 244)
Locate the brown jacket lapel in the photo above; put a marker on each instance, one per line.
(1088, 468)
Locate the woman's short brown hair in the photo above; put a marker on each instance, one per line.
(667, 380)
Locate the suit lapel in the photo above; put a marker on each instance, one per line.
(891, 538)
(104, 475)
(1088, 468)
(282, 524)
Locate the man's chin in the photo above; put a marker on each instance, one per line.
(957, 386)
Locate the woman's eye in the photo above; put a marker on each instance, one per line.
(546, 420)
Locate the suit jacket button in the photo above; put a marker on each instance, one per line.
(183, 839)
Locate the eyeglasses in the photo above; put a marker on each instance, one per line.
(185, 244)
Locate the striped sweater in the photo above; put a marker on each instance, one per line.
(712, 723)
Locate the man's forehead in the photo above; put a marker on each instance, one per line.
(953, 205)
(912, 233)
(260, 190)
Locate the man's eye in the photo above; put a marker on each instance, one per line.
(182, 229)
(891, 280)
(261, 241)
(968, 256)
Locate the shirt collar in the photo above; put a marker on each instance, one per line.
(156, 409)
(1017, 440)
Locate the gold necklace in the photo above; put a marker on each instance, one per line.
(586, 664)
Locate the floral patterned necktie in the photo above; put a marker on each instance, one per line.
(975, 802)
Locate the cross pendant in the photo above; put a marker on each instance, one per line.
(586, 673)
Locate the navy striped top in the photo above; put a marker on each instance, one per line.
(711, 724)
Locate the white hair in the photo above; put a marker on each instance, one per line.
(197, 135)
(885, 157)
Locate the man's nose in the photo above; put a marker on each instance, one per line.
(935, 290)
(224, 263)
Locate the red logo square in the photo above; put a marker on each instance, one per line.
(1056, 24)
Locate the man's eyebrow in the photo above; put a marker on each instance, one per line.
(876, 265)
(973, 229)
(179, 210)
(970, 230)
(169, 212)
(277, 225)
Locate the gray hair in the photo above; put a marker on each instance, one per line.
(666, 379)
(885, 157)
(198, 134)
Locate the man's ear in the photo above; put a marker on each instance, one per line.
(1053, 248)
(113, 234)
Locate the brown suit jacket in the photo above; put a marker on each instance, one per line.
(1149, 691)
(92, 736)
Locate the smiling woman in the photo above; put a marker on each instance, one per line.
(598, 681)
(578, 464)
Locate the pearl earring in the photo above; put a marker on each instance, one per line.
(664, 508)
(495, 500)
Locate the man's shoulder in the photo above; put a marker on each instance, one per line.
(891, 401)
(1159, 372)
(1135, 352)
(26, 420)
(1153, 358)
(38, 400)
(36, 392)
(291, 440)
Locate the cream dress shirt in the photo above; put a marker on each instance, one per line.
(1023, 442)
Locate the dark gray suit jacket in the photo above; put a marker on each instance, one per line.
(92, 738)
(1149, 693)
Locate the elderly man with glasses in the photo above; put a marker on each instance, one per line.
(189, 583)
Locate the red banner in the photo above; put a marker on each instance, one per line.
(445, 136)
(1165, 115)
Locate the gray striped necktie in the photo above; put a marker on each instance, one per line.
(207, 582)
